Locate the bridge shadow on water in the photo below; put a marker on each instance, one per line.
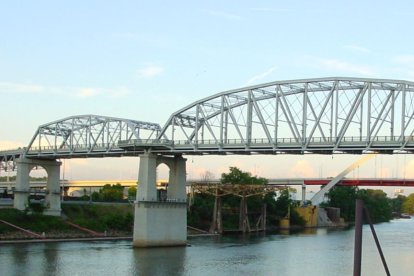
(240, 239)
(158, 261)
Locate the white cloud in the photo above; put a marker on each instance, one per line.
(86, 92)
(261, 75)
(10, 87)
(78, 92)
(150, 71)
(302, 169)
(357, 48)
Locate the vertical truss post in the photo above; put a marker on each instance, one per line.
(249, 118)
(361, 120)
(403, 114)
(197, 124)
(331, 123)
(369, 114)
(276, 115)
(336, 111)
(221, 121)
(392, 114)
(305, 114)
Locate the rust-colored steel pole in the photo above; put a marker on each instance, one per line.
(359, 207)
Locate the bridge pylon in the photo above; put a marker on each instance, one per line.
(22, 191)
(159, 220)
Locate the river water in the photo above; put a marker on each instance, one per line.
(311, 252)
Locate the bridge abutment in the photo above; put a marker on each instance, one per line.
(160, 222)
(22, 191)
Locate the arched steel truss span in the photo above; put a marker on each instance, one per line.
(88, 136)
(325, 115)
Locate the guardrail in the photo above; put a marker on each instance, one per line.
(136, 144)
(313, 140)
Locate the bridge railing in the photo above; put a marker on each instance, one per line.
(395, 141)
(312, 140)
(74, 147)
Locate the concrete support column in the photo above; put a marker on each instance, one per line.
(177, 179)
(52, 200)
(21, 192)
(147, 178)
(160, 223)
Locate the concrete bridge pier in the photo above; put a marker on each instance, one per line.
(22, 191)
(160, 222)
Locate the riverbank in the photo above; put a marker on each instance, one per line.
(80, 221)
(77, 223)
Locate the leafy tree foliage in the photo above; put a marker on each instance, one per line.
(397, 203)
(132, 192)
(236, 176)
(109, 193)
(283, 206)
(376, 201)
(343, 197)
(201, 211)
(408, 205)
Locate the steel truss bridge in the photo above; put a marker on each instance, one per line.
(322, 116)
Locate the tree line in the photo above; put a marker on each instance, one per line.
(381, 207)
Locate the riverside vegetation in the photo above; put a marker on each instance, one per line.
(117, 219)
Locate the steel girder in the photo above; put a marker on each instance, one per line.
(87, 136)
(325, 115)
(8, 159)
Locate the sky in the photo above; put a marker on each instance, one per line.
(144, 60)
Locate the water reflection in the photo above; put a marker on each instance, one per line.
(19, 253)
(310, 252)
(19, 256)
(51, 259)
(159, 261)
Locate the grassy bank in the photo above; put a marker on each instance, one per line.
(115, 220)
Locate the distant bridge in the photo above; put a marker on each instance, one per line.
(367, 182)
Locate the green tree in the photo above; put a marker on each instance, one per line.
(112, 192)
(343, 197)
(397, 203)
(377, 203)
(132, 192)
(236, 176)
(282, 204)
(408, 205)
(201, 211)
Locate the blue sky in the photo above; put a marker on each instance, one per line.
(146, 59)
